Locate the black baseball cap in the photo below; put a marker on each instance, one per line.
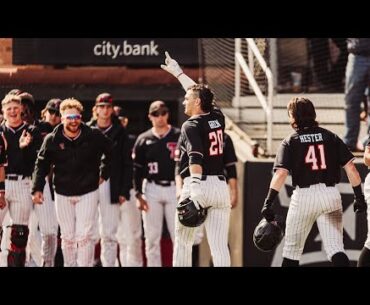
(53, 104)
(157, 105)
(27, 98)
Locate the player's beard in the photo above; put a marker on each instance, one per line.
(74, 129)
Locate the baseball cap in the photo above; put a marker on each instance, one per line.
(26, 98)
(157, 105)
(53, 104)
(104, 99)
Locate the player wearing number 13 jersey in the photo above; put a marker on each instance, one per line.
(314, 156)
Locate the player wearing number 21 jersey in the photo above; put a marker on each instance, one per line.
(314, 156)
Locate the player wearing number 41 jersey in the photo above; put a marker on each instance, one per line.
(314, 157)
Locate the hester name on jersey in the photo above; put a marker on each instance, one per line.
(312, 155)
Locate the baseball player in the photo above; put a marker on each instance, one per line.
(29, 114)
(23, 141)
(364, 259)
(230, 173)
(44, 216)
(28, 106)
(314, 157)
(130, 231)
(202, 170)
(81, 158)
(154, 179)
(3, 160)
(115, 191)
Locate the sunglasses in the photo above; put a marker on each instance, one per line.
(159, 113)
(54, 112)
(73, 116)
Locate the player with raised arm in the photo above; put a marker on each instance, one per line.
(201, 168)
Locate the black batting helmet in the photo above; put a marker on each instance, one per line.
(268, 235)
(189, 215)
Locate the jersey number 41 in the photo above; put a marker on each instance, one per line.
(311, 156)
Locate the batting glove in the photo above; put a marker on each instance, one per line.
(267, 211)
(359, 205)
(172, 66)
(196, 193)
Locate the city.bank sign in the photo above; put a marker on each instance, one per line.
(103, 51)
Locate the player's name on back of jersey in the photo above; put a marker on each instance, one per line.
(309, 138)
(214, 124)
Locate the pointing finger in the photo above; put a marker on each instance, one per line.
(168, 55)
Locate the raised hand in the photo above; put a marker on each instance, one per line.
(25, 139)
(171, 66)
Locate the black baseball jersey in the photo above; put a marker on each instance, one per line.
(154, 157)
(230, 158)
(21, 161)
(44, 128)
(201, 142)
(77, 163)
(313, 155)
(3, 146)
(121, 172)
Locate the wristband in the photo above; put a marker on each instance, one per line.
(272, 194)
(356, 189)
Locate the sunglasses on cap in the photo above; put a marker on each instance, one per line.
(73, 116)
(159, 113)
(54, 112)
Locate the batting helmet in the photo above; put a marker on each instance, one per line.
(189, 215)
(268, 235)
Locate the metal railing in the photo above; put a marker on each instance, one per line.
(240, 64)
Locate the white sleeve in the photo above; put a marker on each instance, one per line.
(186, 81)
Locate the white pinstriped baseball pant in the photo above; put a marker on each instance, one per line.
(108, 225)
(19, 200)
(19, 205)
(367, 197)
(162, 203)
(217, 196)
(318, 203)
(43, 243)
(129, 234)
(76, 216)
